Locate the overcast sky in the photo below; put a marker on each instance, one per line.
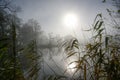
(50, 13)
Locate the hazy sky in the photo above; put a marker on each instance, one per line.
(50, 13)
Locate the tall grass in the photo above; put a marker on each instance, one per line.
(101, 60)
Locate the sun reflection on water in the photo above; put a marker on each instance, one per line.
(71, 68)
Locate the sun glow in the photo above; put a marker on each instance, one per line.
(70, 20)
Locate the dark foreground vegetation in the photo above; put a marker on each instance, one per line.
(21, 54)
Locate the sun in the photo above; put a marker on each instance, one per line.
(70, 20)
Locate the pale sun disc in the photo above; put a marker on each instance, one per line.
(70, 20)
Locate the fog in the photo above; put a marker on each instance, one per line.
(59, 40)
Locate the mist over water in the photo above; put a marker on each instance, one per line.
(59, 40)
